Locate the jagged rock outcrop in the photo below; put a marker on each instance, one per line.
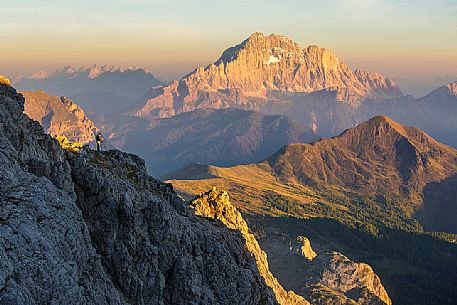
(443, 94)
(96, 229)
(216, 204)
(323, 277)
(59, 116)
(46, 252)
(302, 246)
(247, 74)
(332, 278)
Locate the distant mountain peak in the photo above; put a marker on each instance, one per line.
(453, 88)
(59, 116)
(260, 65)
(444, 92)
(91, 72)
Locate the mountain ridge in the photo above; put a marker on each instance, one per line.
(59, 116)
(98, 89)
(376, 158)
(261, 64)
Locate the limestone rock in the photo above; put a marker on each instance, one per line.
(347, 279)
(215, 204)
(60, 116)
(245, 76)
(45, 248)
(302, 246)
(327, 278)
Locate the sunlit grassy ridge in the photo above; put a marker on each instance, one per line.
(256, 190)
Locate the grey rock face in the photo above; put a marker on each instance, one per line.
(155, 249)
(46, 256)
(95, 229)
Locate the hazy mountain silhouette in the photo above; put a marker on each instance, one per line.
(219, 137)
(100, 90)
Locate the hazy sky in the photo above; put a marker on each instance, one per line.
(403, 39)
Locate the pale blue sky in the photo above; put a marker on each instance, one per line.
(405, 39)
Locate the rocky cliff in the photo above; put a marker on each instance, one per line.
(246, 75)
(96, 229)
(59, 116)
(216, 205)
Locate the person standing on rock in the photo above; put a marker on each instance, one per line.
(99, 139)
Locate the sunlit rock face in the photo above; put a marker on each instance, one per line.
(216, 204)
(332, 278)
(245, 75)
(59, 116)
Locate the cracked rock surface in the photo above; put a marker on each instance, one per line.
(96, 229)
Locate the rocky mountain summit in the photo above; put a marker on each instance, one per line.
(59, 116)
(444, 92)
(246, 76)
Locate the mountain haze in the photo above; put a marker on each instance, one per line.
(223, 137)
(98, 89)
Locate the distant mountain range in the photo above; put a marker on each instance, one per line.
(274, 75)
(224, 137)
(269, 74)
(98, 89)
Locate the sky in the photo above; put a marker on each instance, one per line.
(409, 40)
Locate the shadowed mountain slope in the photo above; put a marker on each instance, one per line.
(222, 137)
(378, 160)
